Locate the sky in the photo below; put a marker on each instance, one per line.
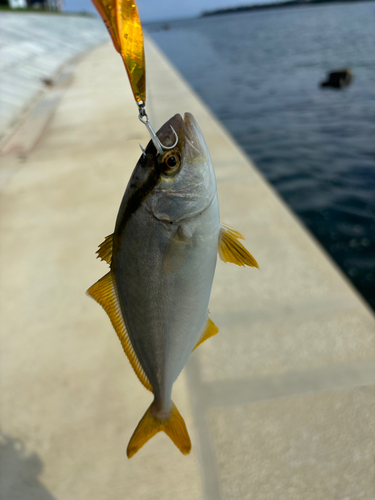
(156, 10)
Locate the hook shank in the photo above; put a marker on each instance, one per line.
(144, 119)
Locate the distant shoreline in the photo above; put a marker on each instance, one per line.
(275, 5)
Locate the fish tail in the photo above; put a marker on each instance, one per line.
(173, 425)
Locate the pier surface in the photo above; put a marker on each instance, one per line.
(279, 405)
(34, 50)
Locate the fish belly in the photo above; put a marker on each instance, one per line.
(164, 273)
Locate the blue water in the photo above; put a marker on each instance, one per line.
(259, 72)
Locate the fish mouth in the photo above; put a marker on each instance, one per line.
(194, 133)
(187, 129)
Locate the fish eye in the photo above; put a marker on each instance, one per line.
(171, 162)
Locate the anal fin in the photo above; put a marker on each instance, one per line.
(104, 292)
(105, 249)
(210, 331)
(231, 250)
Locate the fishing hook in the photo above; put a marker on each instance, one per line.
(144, 119)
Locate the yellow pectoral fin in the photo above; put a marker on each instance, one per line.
(210, 331)
(231, 250)
(104, 292)
(174, 426)
(105, 249)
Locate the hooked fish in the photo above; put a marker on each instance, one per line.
(162, 258)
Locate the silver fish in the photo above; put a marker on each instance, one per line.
(162, 256)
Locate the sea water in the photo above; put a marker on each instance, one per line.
(259, 72)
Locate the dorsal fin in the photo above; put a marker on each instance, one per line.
(210, 331)
(104, 292)
(105, 249)
(231, 250)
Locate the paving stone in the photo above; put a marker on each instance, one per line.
(306, 341)
(314, 447)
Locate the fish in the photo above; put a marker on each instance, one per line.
(162, 257)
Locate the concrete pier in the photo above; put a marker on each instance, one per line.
(279, 405)
(34, 48)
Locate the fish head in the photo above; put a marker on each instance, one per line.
(186, 183)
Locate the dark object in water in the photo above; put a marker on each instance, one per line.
(338, 79)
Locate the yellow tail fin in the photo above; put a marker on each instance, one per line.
(174, 427)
